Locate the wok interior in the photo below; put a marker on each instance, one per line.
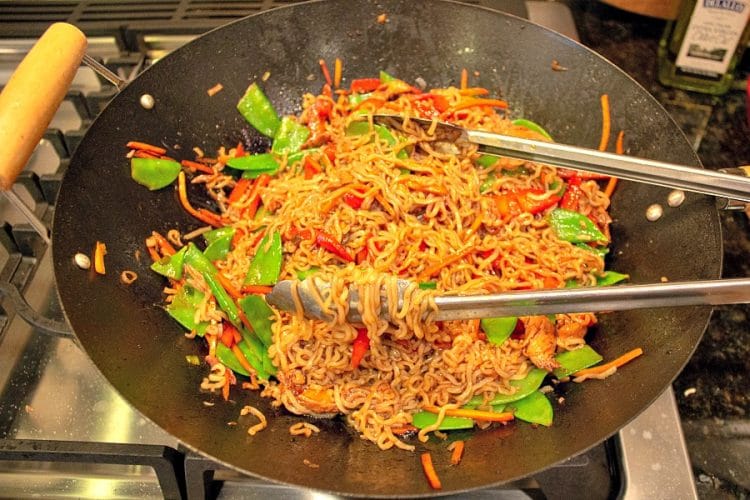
(142, 351)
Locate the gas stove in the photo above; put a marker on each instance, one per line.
(65, 432)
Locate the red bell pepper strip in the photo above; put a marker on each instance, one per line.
(328, 242)
(512, 203)
(353, 200)
(311, 167)
(360, 347)
(239, 189)
(363, 85)
(572, 195)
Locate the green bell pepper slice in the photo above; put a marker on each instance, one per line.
(154, 173)
(534, 408)
(218, 242)
(498, 329)
(289, 137)
(524, 387)
(259, 315)
(258, 111)
(422, 419)
(182, 309)
(171, 265)
(255, 165)
(576, 360)
(266, 265)
(534, 127)
(574, 227)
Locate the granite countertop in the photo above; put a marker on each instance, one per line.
(712, 391)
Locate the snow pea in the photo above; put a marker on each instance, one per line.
(218, 241)
(171, 265)
(576, 360)
(486, 161)
(574, 227)
(255, 165)
(258, 111)
(355, 99)
(183, 306)
(428, 285)
(154, 173)
(266, 265)
(610, 278)
(423, 419)
(385, 77)
(289, 137)
(196, 259)
(225, 355)
(600, 251)
(363, 128)
(302, 274)
(498, 329)
(524, 387)
(534, 408)
(534, 127)
(259, 315)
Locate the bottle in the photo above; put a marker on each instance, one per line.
(700, 49)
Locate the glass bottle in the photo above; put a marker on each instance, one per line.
(700, 49)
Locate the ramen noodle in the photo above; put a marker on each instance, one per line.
(345, 200)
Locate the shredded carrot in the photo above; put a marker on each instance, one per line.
(458, 452)
(619, 149)
(471, 102)
(464, 79)
(605, 123)
(254, 200)
(239, 190)
(228, 286)
(100, 250)
(225, 387)
(142, 146)
(429, 471)
(475, 225)
(215, 89)
(153, 253)
(615, 363)
(404, 429)
(326, 73)
(164, 245)
(194, 165)
(488, 416)
(202, 215)
(474, 91)
(430, 271)
(242, 359)
(257, 289)
(337, 73)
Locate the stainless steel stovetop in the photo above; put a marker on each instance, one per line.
(66, 433)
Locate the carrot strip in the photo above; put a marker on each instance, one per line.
(225, 387)
(142, 146)
(404, 429)
(256, 289)
(615, 363)
(324, 69)
(202, 215)
(153, 253)
(194, 165)
(474, 91)
(429, 471)
(488, 416)
(427, 273)
(252, 206)
(473, 102)
(605, 123)
(164, 245)
(458, 452)
(619, 149)
(337, 73)
(239, 190)
(464, 79)
(242, 359)
(100, 250)
(139, 153)
(228, 286)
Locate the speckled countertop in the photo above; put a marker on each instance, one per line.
(713, 392)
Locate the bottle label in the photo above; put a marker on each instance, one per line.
(712, 36)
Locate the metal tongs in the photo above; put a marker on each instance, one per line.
(734, 186)
(525, 303)
(569, 300)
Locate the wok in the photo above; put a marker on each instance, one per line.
(141, 351)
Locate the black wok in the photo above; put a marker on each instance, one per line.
(141, 351)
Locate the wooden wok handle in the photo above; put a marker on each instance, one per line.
(33, 94)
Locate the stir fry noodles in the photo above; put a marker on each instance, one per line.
(338, 197)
